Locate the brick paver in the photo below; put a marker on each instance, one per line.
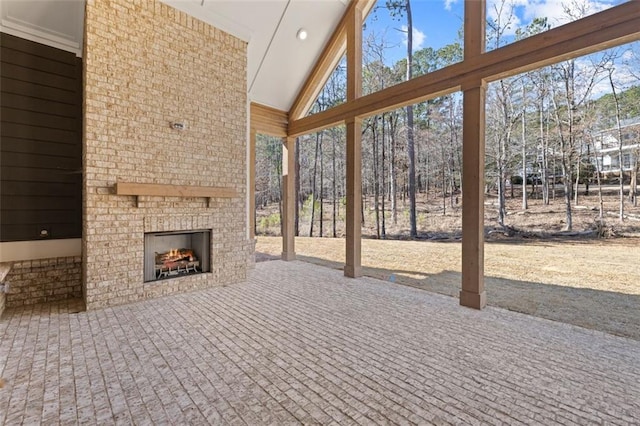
(300, 343)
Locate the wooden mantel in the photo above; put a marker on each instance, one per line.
(167, 190)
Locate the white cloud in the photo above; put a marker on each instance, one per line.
(418, 37)
(449, 3)
(510, 15)
(562, 12)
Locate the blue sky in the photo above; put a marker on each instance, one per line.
(436, 22)
(434, 26)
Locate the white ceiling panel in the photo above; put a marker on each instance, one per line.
(288, 61)
(278, 63)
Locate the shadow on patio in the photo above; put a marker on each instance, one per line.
(607, 311)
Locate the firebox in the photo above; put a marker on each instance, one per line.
(175, 254)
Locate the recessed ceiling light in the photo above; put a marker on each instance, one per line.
(301, 34)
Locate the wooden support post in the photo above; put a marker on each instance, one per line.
(473, 133)
(473, 294)
(288, 199)
(353, 262)
(252, 184)
(353, 266)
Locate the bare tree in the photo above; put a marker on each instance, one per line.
(620, 143)
(501, 115)
(397, 8)
(297, 185)
(523, 135)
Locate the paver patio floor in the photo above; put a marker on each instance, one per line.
(298, 343)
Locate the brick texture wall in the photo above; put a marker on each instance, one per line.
(45, 280)
(147, 65)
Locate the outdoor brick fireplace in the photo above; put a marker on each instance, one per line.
(176, 254)
(150, 187)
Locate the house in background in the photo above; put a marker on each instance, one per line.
(128, 129)
(607, 145)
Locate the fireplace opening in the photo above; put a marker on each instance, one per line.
(176, 254)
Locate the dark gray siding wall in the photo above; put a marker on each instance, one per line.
(41, 142)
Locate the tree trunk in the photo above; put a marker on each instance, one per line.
(452, 141)
(633, 188)
(575, 194)
(566, 180)
(525, 204)
(513, 193)
(553, 182)
(427, 174)
(376, 186)
(321, 189)
(565, 145)
(620, 156)
(383, 229)
(545, 157)
(335, 192)
(410, 140)
(444, 187)
(313, 184)
(600, 198)
(502, 210)
(503, 144)
(393, 189)
(296, 215)
(279, 181)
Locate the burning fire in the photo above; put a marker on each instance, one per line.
(182, 254)
(175, 255)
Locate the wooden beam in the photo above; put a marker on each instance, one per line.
(474, 28)
(252, 184)
(325, 65)
(609, 28)
(162, 190)
(288, 199)
(473, 155)
(327, 61)
(268, 121)
(353, 249)
(354, 50)
(437, 83)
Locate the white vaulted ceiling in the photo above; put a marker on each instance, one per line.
(277, 63)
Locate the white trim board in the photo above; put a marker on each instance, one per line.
(46, 249)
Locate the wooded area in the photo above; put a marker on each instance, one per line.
(551, 129)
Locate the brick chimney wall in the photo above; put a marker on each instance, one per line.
(145, 66)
